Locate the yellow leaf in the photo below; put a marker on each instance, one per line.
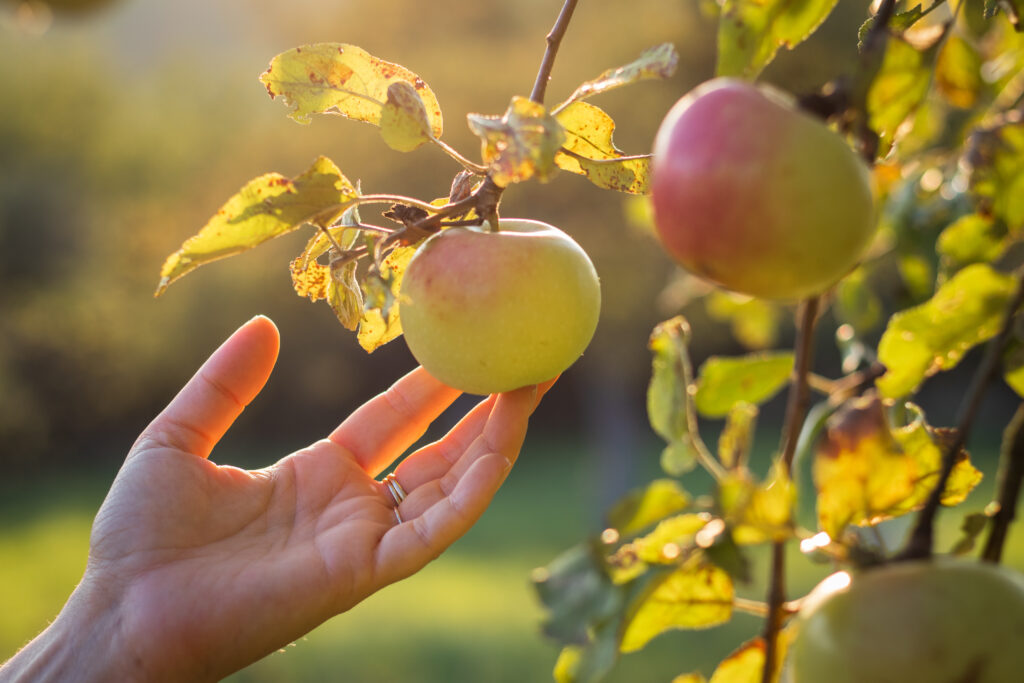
(695, 596)
(336, 78)
(377, 327)
(588, 138)
(746, 664)
(403, 123)
(861, 473)
(267, 207)
(758, 512)
(521, 144)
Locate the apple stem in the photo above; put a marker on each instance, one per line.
(1011, 474)
(922, 537)
(796, 410)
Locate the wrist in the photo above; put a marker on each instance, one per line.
(81, 645)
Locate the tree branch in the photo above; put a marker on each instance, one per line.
(796, 410)
(922, 537)
(554, 40)
(1011, 474)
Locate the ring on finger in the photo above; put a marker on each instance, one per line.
(394, 488)
(398, 516)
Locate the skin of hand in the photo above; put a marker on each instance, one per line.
(196, 570)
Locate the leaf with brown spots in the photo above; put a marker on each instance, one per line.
(520, 144)
(655, 62)
(590, 152)
(267, 207)
(336, 78)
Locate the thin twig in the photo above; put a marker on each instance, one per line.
(796, 410)
(922, 537)
(1011, 474)
(554, 39)
(467, 164)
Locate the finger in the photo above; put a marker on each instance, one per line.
(196, 419)
(435, 460)
(408, 546)
(383, 428)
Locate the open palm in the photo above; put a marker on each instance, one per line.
(211, 567)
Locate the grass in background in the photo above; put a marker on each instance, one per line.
(469, 616)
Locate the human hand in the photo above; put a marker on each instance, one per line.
(201, 569)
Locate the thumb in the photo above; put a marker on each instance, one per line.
(196, 419)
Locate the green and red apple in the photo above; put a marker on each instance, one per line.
(755, 195)
(490, 311)
(936, 621)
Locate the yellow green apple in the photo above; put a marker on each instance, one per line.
(934, 621)
(490, 311)
(755, 195)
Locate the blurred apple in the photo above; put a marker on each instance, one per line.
(757, 196)
(938, 621)
(487, 312)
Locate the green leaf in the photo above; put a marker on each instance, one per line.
(750, 32)
(381, 324)
(899, 22)
(659, 61)
(695, 596)
(404, 124)
(588, 139)
(576, 592)
(996, 160)
(336, 78)
(754, 378)
(670, 540)
(856, 303)
(754, 322)
(639, 509)
(899, 88)
(267, 207)
(921, 341)
(758, 512)
(668, 397)
(521, 144)
(971, 528)
(972, 238)
(737, 437)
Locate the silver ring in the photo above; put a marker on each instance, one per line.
(394, 488)
(397, 516)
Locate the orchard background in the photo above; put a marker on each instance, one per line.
(124, 127)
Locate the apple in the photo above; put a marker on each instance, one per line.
(752, 194)
(490, 311)
(934, 621)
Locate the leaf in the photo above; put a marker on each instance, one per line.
(746, 663)
(899, 88)
(336, 78)
(588, 136)
(867, 472)
(267, 207)
(690, 678)
(576, 592)
(695, 596)
(750, 32)
(754, 322)
(971, 528)
(972, 238)
(377, 327)
(899, 22)
(758, 512)
(754, 378)
(520, 144)
(958, 73)
(921, 341)
(737, 437)
(404, 124)
(659, 61)
(640, 509)
(859, 470)
(668, 396)
(995, 158)
(856, 303)
(670, 539)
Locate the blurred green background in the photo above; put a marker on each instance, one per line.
(124, 124)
